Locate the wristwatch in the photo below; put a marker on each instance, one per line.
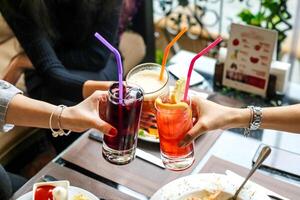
(255, 120)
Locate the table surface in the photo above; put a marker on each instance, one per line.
(83, 165)
(140, 176)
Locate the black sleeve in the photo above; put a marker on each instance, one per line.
(39, 50)
(93, 53)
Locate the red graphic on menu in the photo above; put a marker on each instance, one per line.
(235, 42)
(255, 81)
(257, 47)
(254, 59)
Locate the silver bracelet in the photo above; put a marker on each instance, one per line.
(54, 132)
(59, 122)
(60, 131)
(255, 119)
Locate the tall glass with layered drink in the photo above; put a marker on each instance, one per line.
(147, 77)
(124, 115)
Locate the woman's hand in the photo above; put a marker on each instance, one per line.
(212, 116)
(89, 87)
(88, 114)
(16, 67)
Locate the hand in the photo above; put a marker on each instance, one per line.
(89, 87)
(212, 116)
(16, 67)
(88, 114)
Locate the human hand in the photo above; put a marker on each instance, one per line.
(211, 116)
(89, 113)
(89, 87)
(16, 67)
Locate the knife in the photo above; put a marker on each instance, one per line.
(274, 197)
(138, 152)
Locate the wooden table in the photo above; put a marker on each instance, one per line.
(83, 165)
(139, 176)
(100, 189)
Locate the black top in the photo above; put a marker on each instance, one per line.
(53, 56)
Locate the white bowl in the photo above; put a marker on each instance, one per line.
(64, 184)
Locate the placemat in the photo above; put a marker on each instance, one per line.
(218, 165)
(139, 175)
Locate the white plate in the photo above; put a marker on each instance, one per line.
(198, 183)
(147, 137)
(72, 191)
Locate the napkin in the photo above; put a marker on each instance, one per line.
(237, 178)
(180, 70)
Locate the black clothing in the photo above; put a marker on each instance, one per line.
(63, 62)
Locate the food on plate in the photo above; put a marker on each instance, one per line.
(50, 192)
(44, 192)
(80, 197)
(206, 195)
(56, 190)
(59, 193)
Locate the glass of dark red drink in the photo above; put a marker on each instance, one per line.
(124, 115)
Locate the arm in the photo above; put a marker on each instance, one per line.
(90, 87)
(77, 118)
(16, 67)
(21, 62)
(212, 116)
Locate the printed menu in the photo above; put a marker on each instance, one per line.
(249, 56)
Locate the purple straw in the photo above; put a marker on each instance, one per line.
(119, 63)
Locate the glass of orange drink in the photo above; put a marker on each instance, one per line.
(174, 119)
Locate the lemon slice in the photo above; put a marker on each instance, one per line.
(177, 93)
(170, 106)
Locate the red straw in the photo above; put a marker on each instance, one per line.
(204, 51)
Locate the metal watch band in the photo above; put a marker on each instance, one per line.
(255, 121)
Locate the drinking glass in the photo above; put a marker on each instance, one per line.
(124, 115)
(173, 124)
(146, 76)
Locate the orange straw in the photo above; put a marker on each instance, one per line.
(167, 50)
(204, 51)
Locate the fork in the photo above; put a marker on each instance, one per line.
(264, 153)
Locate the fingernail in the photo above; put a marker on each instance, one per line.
(185, 141)
(113, 132)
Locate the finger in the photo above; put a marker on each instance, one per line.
(192, 134)
(98, 94)
(105, 128)
(101, 103)
(195, 106)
